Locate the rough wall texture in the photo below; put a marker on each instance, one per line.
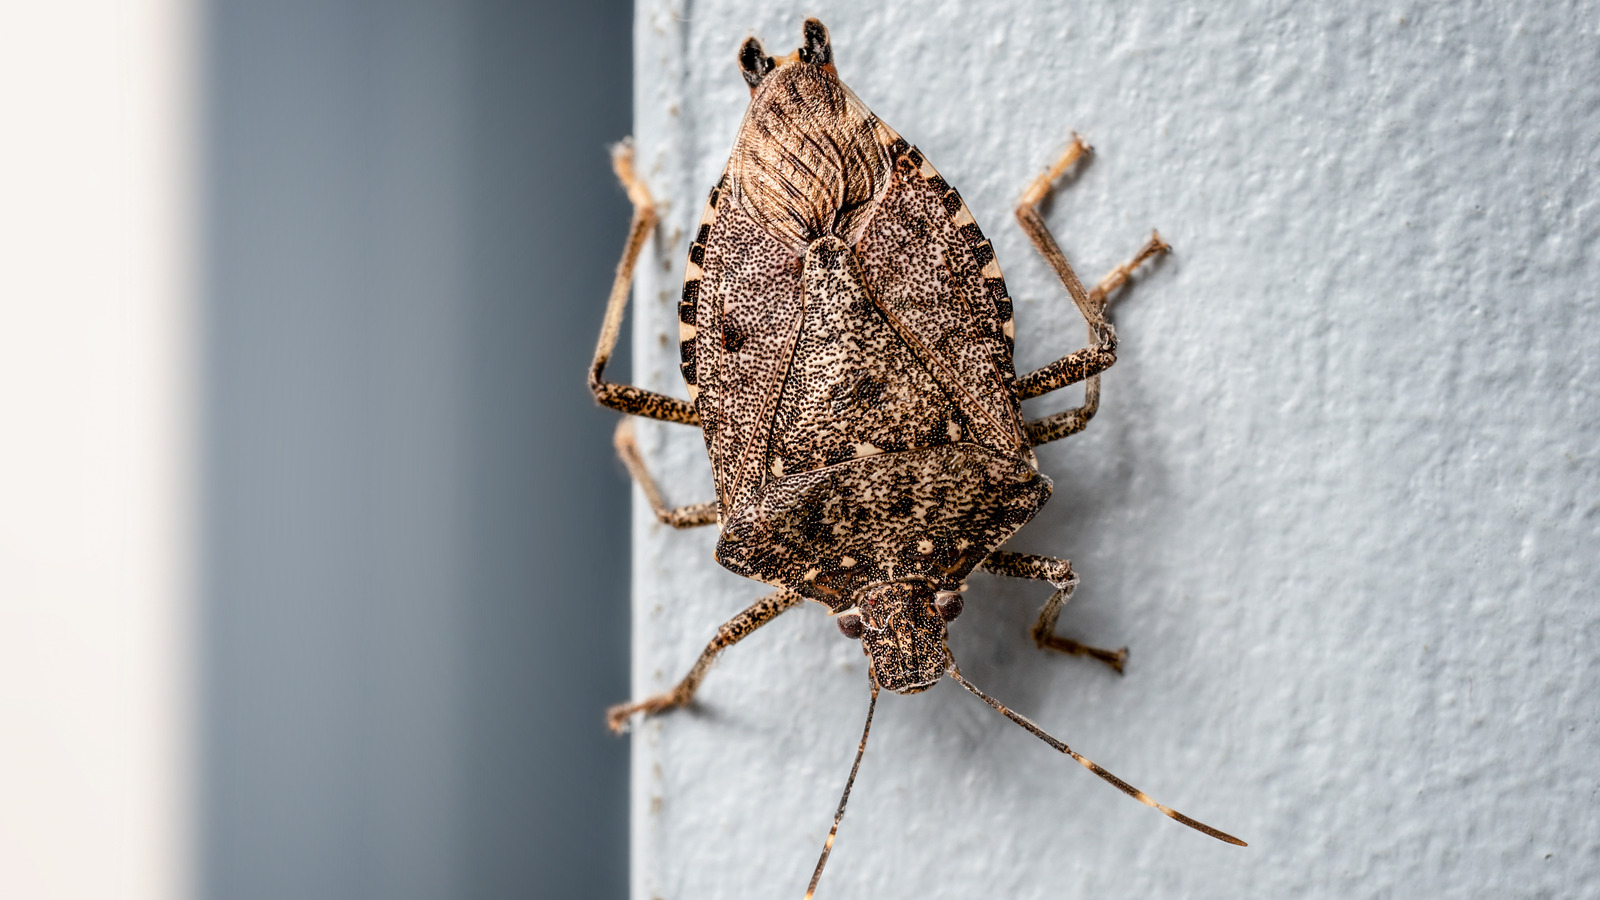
(1341, 499)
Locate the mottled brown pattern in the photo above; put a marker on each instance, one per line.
(905, 636)
(689, 297)
(749, 311)
(625, 398)
(923, 268)
(853, 388)
(843, 314)
(932, 514)
(930, 364)
(846, 336)
(1025, 565)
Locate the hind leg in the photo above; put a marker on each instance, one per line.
(1086, 364)
(692, 516)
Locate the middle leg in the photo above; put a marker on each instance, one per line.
(1058, 572)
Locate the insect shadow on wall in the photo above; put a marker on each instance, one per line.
(846, 337)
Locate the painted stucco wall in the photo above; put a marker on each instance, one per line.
(1342, 499)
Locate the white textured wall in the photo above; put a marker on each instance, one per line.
(1341, 499)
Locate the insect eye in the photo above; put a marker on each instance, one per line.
(849, 625)
(948, 604)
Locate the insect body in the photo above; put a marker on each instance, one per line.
(846, 336)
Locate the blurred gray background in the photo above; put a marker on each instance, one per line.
(416, 577)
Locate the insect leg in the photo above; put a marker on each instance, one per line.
(1087, 364)
(1090, 361)
(732, 632)
(1057, 572)
(622, 397)
(1032, 222)
(1117, 277)
(691, 516)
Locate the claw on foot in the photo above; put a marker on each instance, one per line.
(617, 717)
(1114, 658)
(620, 717)
(1119, 276)
(1040, 188)
(622, 164)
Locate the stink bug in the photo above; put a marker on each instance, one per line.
(846, 337)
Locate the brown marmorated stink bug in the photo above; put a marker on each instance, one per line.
(847, 341)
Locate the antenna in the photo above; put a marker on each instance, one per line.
(1042, 735)
(827, 847)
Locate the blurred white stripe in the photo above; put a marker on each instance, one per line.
(97, 175)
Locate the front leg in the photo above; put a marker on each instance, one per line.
(732, 632)
(1058, 572)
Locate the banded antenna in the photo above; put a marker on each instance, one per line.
(1087, 763)
(827, 847)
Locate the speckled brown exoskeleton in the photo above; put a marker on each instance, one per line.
(846, 337)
